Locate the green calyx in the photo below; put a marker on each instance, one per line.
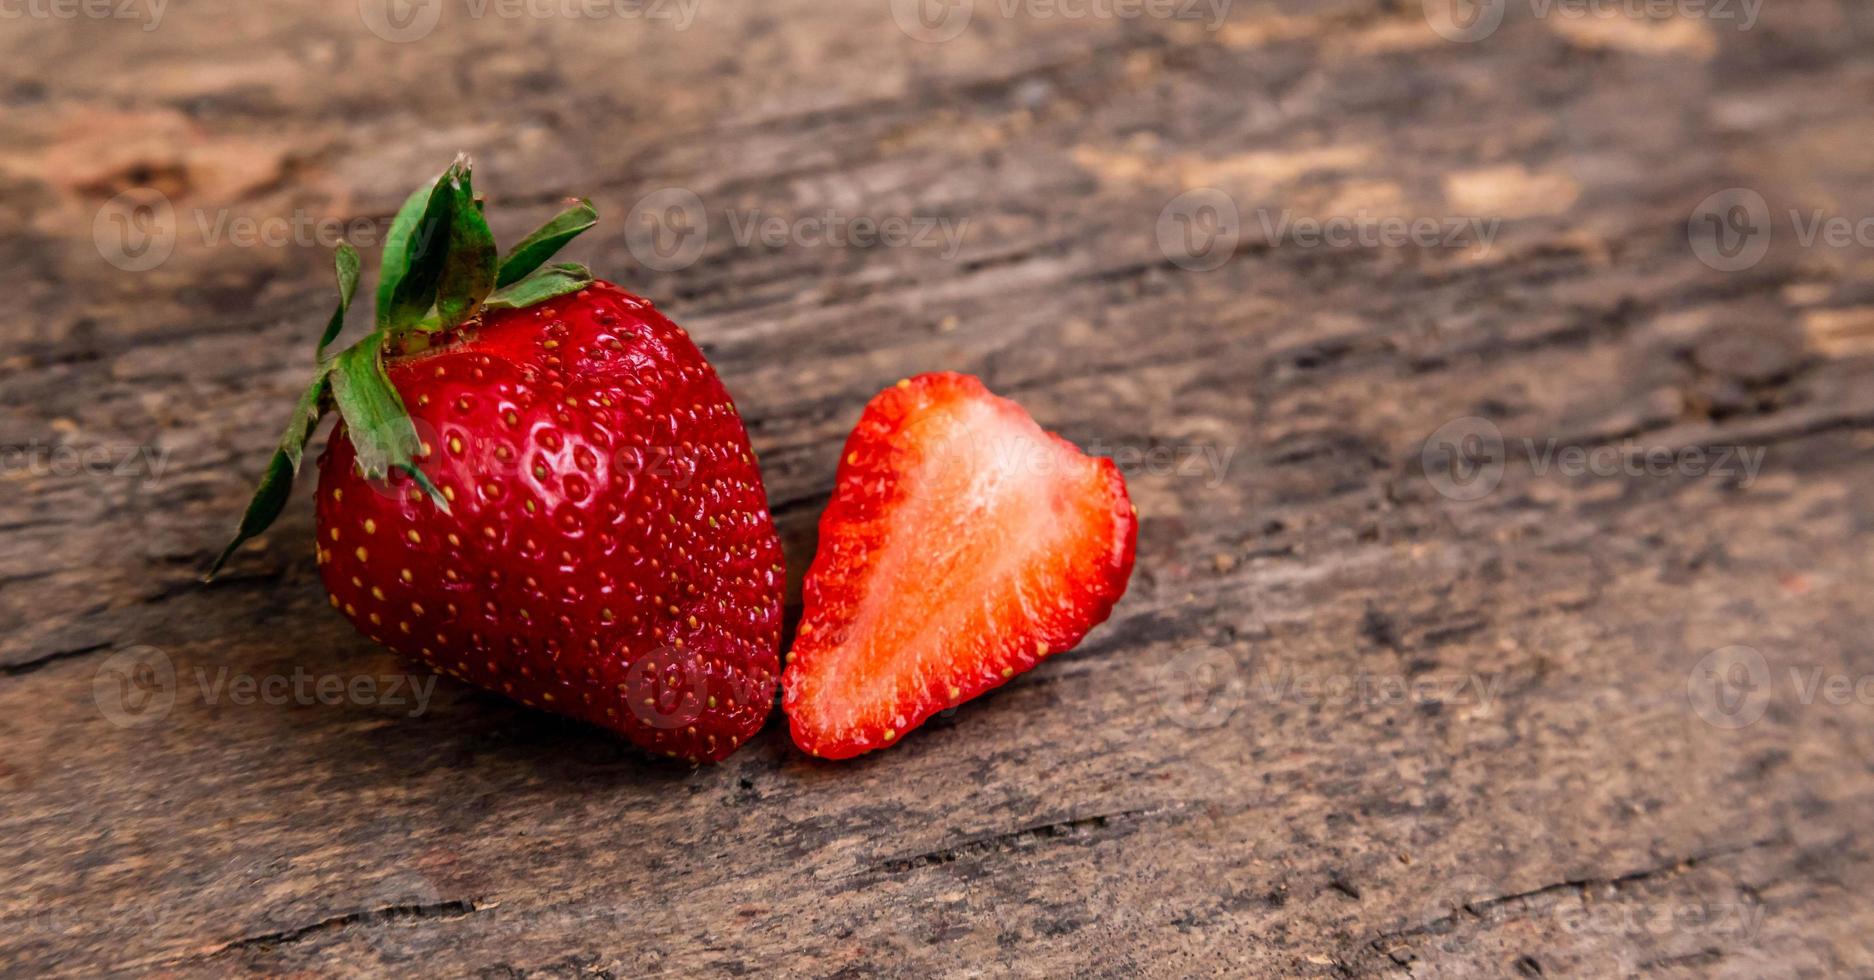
(440, 270)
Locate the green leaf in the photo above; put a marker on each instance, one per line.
(347, 264)
(312, 406)
(395, 262)
(468, 272)
(276, 485)
(374, 413)
(376, 420)
(268, 501)
(415, 251)
(554, 280)
(538, 247)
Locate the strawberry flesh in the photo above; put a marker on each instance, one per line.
(963, 544)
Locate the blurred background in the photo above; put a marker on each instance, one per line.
(1492, 379)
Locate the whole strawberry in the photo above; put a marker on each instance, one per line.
(539, 486)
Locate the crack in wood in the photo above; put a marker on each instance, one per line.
(24, 577)
(1079, 828)
(1703, 957)
(452, 909)
(39, 663)
(1391, 943)
(34, 525)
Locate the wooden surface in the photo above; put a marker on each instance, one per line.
(1203, 787)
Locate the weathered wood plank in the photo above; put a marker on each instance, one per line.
(1343, 724)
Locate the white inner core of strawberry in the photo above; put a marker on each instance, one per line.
(975, 553)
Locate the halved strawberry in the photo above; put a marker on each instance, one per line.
(962, 545)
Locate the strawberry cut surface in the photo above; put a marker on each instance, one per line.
(962, 545)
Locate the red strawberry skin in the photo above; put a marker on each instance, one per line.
(963, 545)
(608, 553)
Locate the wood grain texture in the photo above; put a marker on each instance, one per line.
(1343, 724)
